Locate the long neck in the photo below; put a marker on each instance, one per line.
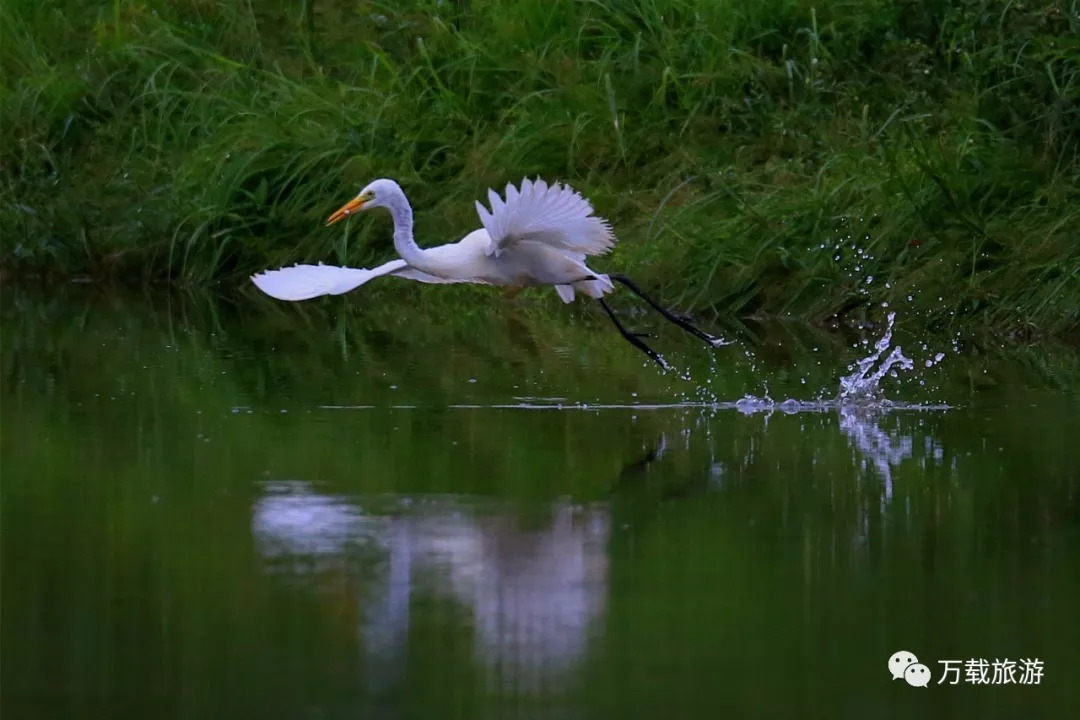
(406, 246)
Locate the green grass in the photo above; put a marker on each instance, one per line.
(757, 158)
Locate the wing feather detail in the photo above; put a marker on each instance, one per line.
(304, 282)
(555, 215)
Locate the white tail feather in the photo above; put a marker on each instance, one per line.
(597, 288)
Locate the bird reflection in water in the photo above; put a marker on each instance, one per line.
(535, 595)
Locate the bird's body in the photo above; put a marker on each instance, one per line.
(530, 264)
(539, 235)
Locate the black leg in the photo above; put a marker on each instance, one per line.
(634, 338)
(680, 320)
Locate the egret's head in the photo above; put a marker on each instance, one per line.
(378, 193)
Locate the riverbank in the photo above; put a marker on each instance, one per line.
(767, 159)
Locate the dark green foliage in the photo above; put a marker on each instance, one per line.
(756, 157)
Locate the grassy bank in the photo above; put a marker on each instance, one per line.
(775, 157)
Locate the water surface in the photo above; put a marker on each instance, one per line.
(394, 506)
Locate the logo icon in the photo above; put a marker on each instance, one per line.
(917, 675)
(899, 663)
(978, 671)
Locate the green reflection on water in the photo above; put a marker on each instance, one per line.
(315, 511)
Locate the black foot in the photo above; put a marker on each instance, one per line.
(681, 320)
(633, 338)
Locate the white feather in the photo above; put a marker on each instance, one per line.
(303, 282)
(566, 292)
(555, 215)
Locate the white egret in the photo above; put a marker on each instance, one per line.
(539, 235)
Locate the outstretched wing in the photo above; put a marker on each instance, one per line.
(555, 215)
(303, 282)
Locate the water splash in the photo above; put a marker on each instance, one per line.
(863, 386)
(861, 389)
(861, 408)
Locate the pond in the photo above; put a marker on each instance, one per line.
(411, 503)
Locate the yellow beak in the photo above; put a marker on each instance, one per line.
(354, 205)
